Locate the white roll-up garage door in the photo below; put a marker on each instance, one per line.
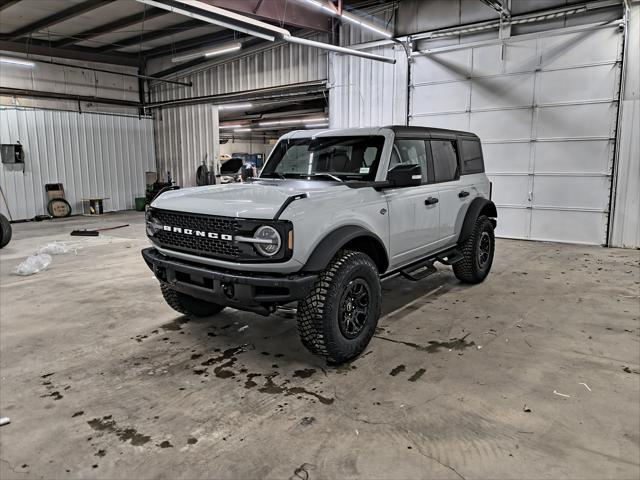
(545, 108)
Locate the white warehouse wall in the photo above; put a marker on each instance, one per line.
(90, 154)
(92, 148)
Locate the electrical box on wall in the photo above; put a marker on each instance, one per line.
(12, 153)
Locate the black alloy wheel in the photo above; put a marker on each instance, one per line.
(354, 308)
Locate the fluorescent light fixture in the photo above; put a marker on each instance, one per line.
(235, 106)
(221, 51)
(293, 121)
(18, 62)
(242, 130)
(322, 6)
(235, 125)
(364, 24)
(211, 52)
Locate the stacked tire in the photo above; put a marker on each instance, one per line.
(5, 231)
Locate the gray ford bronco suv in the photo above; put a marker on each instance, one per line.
(332, 213)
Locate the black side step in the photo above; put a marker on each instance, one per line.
(424, 267)
(419, 271)
(450, 257)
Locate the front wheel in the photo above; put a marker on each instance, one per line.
(477, 251)
(188, 305)
(339, 316)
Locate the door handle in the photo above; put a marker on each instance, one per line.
(431, 201)
(463, 194)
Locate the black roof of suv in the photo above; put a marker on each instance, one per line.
(404, 131)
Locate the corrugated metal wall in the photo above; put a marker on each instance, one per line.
(275, 65)
(91, 154)
(184, 135)
(364, 93)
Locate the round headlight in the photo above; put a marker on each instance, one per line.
(268, 241)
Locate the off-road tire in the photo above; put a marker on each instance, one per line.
(319, 313)
(471, 269)
(187, 305)
(5, 231)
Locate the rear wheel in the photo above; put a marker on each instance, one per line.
(478, 252)
(339, 316)
(188, 305)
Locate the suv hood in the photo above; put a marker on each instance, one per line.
(257, 199)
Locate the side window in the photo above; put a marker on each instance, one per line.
(445, 160)
(471, 153)
(410, 152)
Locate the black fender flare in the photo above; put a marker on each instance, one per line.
(337, 239)
(478, 206)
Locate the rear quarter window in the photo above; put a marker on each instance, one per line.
(471, 156)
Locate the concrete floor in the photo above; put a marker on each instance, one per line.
(532, 374)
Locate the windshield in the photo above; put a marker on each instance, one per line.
(326, 158)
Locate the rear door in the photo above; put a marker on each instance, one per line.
(414, 212)
(453, 194)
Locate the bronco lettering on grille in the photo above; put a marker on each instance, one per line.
(198, 233)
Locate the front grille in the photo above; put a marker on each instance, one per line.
(208, 247)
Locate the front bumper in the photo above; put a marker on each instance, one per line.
(256, 292)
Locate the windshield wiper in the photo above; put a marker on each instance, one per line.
(325, 174)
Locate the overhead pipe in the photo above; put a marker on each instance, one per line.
(18, 92)
(336, 48)
(292, 91)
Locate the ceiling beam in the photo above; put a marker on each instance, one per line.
(35, 47)
(59, 17)
(153, 35)
(7, 3)
(111, 26)
(291, 13)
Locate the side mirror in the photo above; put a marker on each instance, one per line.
(405, 176)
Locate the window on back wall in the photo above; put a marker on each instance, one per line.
(445, 160)
(471, 153)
